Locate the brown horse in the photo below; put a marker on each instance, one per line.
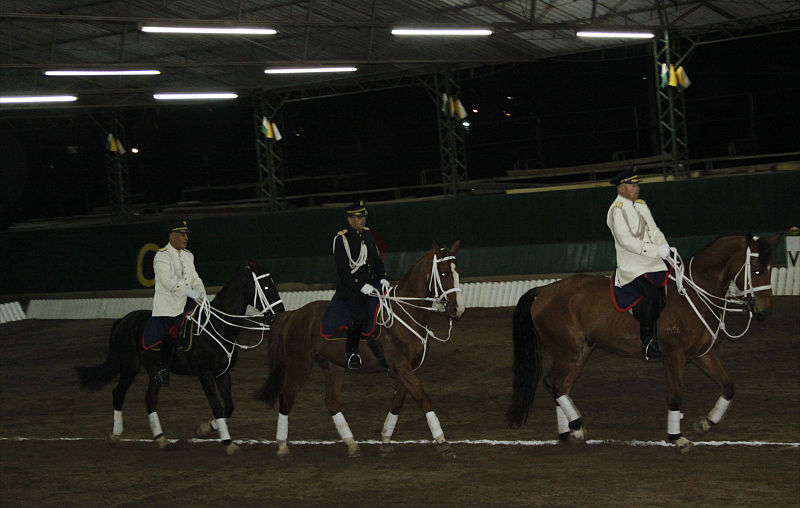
(573, 316)
(431, 284)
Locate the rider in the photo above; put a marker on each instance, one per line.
(361, 271)
(640, 247)
(176, 278)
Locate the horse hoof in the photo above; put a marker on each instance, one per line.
(683, 444)
(354, 452)
(114, 439)
(445, 450)
(165, 445)
(577, 436)
(204, 429)
(386, 449)
(283, 451)
(703, 425)
(232, 449)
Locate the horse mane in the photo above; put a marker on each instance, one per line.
(764, 251)
(228, 287)
(764, 247)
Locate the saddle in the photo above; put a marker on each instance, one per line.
(182, 332)
(627, 297)
(335, 324)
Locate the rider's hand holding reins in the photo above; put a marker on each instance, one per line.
(663, 251)
(368, 289)
(384, 286)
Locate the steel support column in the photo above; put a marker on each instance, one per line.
(270, 159)
(118, 176)
(452, 135)
(673, 139)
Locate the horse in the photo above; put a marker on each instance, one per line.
(571, 317)
(211, 355)
(296, 344)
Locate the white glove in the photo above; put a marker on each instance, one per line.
(193, 294)
(385, 285)
(368, 289)
(663, 251)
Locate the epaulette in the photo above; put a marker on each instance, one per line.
(641, 201)
(619, 204)
(366, 228)
(342, 232)
(162, 249)
(187, 250)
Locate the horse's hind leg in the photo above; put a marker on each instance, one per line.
(334, 378)
(151, 401)
(128, 371)
(711, 365)
(399, 398)
(560, 381)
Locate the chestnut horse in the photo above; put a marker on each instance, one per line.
(571, 317)
(296, 344)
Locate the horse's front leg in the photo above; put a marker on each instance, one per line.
(674, 365)
(207, 381)
(399, 398)
(224, 389)
(151, 401)
(411, 382)
(711, 365)
(334, 378)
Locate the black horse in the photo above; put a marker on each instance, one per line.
(210, 356)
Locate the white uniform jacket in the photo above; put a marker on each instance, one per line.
(175, 274)
(636, 239)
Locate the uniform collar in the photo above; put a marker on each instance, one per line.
(172, 249)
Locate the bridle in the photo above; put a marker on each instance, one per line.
(201, 315)
(438, 303)
(710, 300)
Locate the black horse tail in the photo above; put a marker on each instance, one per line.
(527, 361)
(94, 378)
(273, 386)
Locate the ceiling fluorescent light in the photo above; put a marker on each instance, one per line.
(302, 70)
(193, 96)
(144, 72)
(441, 31)
(616, 35)
(208, 30)
(40, 98)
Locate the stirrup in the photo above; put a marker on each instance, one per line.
(162, 377)
(651, 352)
(354, 362)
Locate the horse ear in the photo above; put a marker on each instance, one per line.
(251, 263)
(455, 247)
(435, 246)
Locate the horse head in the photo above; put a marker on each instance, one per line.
(754, 277)
(443, 281)
(265, 295)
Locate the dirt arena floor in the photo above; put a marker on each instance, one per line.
(53, 450)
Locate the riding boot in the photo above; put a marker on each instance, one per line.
(353, 359)
(162, 376)
(650, 349)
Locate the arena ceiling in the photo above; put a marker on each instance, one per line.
(41, 35)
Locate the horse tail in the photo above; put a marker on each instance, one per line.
(94, 378)
(527, 360)
(273, 386)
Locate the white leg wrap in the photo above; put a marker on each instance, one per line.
(719, 409)
(436, 428)
(222, 425)
(565, 403)
(155, 425)
(674, 422)
(388, 427)
(283, 427)
(117, 430)
(561, 421)
(213, 424)
(341, 426)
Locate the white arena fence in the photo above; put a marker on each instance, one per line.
(785, 282)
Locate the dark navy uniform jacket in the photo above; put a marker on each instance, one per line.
(356, 269)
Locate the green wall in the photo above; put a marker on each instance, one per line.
(540, 232)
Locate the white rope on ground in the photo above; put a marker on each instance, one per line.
(471, 442)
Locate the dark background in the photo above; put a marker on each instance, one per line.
(566, 111)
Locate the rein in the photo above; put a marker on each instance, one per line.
(708, 299)
(204, 312)
(387, 314)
